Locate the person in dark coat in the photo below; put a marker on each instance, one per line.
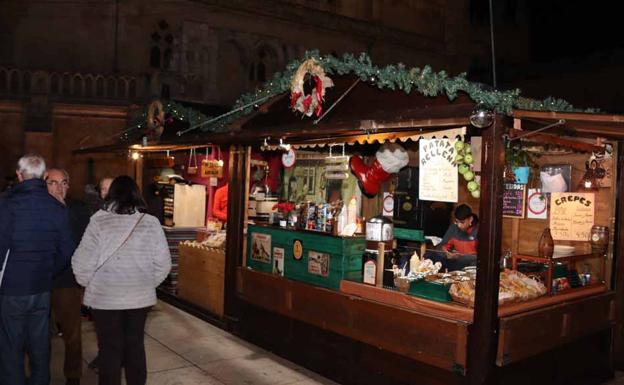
(66, 293)
(35, 244)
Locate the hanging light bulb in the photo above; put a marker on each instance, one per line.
(481, 116)
(135, 156)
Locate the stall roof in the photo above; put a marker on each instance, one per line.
(585, 124)
(363, 112)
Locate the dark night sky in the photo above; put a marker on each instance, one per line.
(565, 28)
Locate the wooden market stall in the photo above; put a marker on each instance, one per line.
(357, 333)
(183, 206)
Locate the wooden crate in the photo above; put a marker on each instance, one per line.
(342, 255)
(201, 277)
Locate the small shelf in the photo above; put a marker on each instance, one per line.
(550, 262)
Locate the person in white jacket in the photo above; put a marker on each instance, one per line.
(122, 258)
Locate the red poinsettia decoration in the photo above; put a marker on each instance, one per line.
(284, 207)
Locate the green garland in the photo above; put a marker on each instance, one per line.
(398, 77)
(394, 77)
(172, 110)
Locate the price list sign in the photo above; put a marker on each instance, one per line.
(514, 199)
(571, 216)
(437, 177)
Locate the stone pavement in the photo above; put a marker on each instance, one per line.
(184, 350)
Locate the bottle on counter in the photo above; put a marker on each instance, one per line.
(369, 267)
(546, 245)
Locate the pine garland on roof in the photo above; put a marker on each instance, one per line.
(394, 77)
(398, 77)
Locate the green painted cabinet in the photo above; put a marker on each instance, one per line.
(316, 258)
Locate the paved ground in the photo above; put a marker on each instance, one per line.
(184, 350)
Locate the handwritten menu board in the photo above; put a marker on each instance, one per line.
(437, 177)
(514, 199)
(571, 215)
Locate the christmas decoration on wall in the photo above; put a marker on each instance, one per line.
(307, 89)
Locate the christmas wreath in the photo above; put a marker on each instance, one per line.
(155, 120)
(307, 88)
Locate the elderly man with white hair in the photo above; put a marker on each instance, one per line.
(35, 244)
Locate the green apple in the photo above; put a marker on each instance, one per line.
(459, 159)
(476, 194)
(459, 145)
(467, 148)
(468, 159)
(463, 168)
(468, 175)
(472, 186)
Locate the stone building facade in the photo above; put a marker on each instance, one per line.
(71, 73)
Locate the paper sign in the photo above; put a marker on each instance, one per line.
(537, 204)
(571, 215)
(318, 263)
(278, 261)
(437, 177)
(261, 247)
(211, 168)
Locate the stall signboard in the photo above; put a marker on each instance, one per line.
(571, 215)
(437, 177)
(211, 169)
(514, 200)
(261, 247)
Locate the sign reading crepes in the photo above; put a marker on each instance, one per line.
(571, 216)
(437, 177)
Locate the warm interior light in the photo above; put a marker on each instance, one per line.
(135, 156)
(220, 162)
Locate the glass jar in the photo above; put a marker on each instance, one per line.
(599, 239)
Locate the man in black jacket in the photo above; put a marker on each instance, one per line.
(35, 244)
(66, 293)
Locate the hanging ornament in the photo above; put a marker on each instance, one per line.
(307, 88)
(481, 116)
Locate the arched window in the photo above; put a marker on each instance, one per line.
(262, 66)
(161, 53)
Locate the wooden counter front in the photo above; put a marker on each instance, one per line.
(531, 332)
(424, 337)
(200, 279)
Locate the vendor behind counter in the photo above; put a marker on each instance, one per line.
(458, 248)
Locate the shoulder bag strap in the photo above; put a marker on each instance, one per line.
(117, 249)
(4, 265)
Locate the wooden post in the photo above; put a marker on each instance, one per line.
(483, 334)
(235, 226)
(617, 279)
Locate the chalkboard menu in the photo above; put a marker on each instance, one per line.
(514, 200)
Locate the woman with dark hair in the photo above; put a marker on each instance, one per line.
(122, 258)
